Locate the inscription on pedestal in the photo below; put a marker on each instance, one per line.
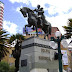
(45, 50)
(43, 58)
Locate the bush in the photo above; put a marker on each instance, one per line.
(12, 68)
(4, 66)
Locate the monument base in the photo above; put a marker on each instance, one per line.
(37, 56)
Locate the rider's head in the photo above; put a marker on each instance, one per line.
(38, 6)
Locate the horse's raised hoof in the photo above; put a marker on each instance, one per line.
(33, 28)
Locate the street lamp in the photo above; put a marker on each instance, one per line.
(58, 40)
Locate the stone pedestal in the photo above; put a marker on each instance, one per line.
(37, 55)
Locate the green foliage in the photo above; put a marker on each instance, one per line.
(4, 67)
(70, 23)
(17, 36)
(68, 29)
(12, 68)
(3, 44)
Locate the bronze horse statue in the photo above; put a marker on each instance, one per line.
(34, 21)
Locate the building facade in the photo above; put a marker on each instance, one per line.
(1, 14)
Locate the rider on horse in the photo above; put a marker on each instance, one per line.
(39, 13)
(35, 21)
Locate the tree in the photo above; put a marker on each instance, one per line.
(68, 29)
(17, 36)
(4, 66)
(17, 51)
(3, 44)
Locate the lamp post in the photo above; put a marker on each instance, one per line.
(58, 40)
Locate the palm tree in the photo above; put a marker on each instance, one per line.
(17, 51)
(68, 29)
(3, 45)
(17, 36)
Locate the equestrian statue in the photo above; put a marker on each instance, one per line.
(36, 19)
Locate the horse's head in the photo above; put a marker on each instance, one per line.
(26, 10)
(23, 11)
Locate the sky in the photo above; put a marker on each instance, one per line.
(57, 12)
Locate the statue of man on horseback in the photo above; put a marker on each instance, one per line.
(37, 19)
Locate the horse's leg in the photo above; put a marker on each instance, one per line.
(27, 26)
(46, 33)
(36, 29)
(49, 31)
(45, 36)
(48, 36)
(25, 29)
(36, 32)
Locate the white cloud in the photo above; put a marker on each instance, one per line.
(59, 21)
(55, 6)
(10, 27)
(18, 1)
(63, 4)
(18, 8)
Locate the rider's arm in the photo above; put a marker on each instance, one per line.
(42, 10)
